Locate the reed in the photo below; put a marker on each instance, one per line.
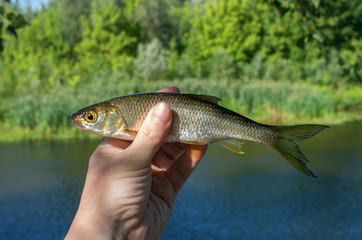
(46, 115)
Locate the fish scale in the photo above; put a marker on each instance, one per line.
(194, 119)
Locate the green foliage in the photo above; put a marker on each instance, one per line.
(69, 16)
(31, 60)
(351, 60)
(10, 20)
(221, 64)
(277, 101)
(232, 25)
(155, 19)
(312, 31)
(173, 58)
(276, 60)
(151, 62)
(109, 39)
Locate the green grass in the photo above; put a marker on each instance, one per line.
(45, 115)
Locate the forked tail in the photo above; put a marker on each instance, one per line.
(286, 144)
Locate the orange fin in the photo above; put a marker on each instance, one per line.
(131, 133)
(233, 145)
(195, 143)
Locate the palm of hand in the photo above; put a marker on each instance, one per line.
(147, 193)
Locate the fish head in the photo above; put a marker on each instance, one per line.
(101, 119)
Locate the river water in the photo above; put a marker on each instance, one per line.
(257, 195)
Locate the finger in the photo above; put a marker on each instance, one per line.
(170, 90)
(168, 153)
(181, 169)
(151, 136)
(162, 187)
(108, 151)
(115, 143)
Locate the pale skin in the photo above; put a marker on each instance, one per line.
(130, 187)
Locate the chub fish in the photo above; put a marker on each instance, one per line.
(197, 119)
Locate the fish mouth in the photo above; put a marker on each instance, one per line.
(74, 120)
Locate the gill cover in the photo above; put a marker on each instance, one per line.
(114, 120)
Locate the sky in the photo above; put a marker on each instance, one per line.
(34, 4)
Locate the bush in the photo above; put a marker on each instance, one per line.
(151, 61)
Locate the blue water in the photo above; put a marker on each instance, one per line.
(257, 195)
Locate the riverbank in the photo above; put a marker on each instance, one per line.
(12, 134)
(46, 116)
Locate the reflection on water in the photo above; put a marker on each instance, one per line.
(40, 185)
(254, 196)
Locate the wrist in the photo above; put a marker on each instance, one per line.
(87, 225)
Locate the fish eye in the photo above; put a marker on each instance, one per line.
(91, 117)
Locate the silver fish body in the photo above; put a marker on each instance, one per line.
(197, 119)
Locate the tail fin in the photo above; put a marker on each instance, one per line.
(286, 144)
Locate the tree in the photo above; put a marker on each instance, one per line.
(11, 19)
(70, 23)
(156, 20)
(232, 26)
(31, 60)
(109, 39)
(151, 61)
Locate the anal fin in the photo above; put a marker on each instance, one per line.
(233, 145)
(195, 143)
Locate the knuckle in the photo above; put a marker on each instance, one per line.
(150, 134)
(147, 133)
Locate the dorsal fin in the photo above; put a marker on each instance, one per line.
(206, 98)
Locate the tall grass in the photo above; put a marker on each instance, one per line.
(278, 102)
(46, 114)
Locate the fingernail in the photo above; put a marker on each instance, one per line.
(159, 112)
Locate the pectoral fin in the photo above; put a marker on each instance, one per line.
(195, 143)
(233, 145)
(128, 134)
(132, 133)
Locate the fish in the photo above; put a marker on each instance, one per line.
(197, 119)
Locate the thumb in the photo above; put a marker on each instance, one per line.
(150, 136)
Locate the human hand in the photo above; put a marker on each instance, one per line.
(130, 188)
